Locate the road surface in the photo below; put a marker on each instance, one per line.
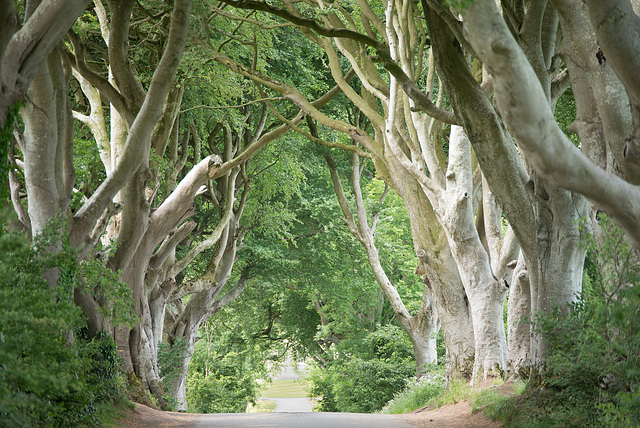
(299, 420)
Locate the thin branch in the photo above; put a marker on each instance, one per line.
(234, 106)
(317, 140)
(233, 17)
(420, 99)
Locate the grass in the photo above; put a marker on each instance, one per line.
(497, 402)
(496, 405)
(262, 406)
(284, 388)
(415, 396)
(111, 414)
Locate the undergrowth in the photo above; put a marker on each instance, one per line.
(592, 373)
(416, 394)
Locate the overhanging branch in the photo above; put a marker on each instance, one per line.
(420, 99)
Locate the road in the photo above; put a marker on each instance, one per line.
(286, 405)
(299, 420)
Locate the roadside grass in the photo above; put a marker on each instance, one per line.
(497, 401)
(111, 414)
(284, 388)
(498, 406)
(415, 396)
(262, 406)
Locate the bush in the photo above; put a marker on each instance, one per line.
(46, 377)
(592, 375)
(221, 384)
(362, 379)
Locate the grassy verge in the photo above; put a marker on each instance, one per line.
(285, 388)
(262, 406)
(111, 414)
(416, 395)
(497, 401)
(499, 405)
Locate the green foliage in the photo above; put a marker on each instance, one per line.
(362, 379)
(89, 170)
(227, 362)
(46, 378)
(417, 393)
(105, 285)
(6, 133)
(565, 114)
(592, 376)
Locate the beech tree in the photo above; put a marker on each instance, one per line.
(24, 47)
(600, 43)
(47, 147)
(422, 327)
(405, 148)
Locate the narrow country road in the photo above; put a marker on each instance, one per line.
(299, 420)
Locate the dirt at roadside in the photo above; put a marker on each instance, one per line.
(454, 416)
(144, 416)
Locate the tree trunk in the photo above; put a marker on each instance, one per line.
(201, 306)
(519, 322)
(486, 293)
(560, 215)
(422, 327)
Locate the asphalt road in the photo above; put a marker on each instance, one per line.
(285, 405)
(299, 420)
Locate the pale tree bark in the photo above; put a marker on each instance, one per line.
(542, 219)
(519, 347)
(529, 117)
(617, 27)
(24, 49)
(47, 147)
(604, 118)
(486, 292)
(421, 327)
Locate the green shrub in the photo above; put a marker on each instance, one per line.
(363, 377)
(592, 374)
(221, 383)
(48, 379)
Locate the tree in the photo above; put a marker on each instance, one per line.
(25, 48)
(403, 150)
(421, 327)
(557, 159)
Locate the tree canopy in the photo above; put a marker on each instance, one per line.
(340, 173)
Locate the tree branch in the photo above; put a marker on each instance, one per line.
(138, 140)
(420, 99)
(529, 118)
(22, 56)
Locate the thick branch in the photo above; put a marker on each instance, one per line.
(29, 47)
(137, 144)
(528, 115)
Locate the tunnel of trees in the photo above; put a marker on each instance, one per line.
(393, 191)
